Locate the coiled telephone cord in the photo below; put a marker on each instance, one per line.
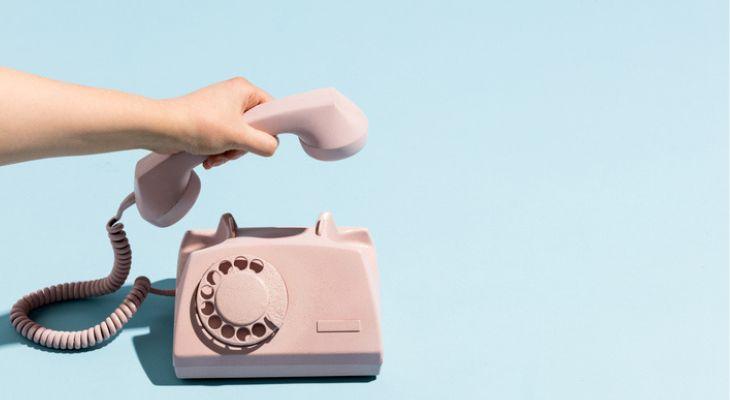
(82, 339)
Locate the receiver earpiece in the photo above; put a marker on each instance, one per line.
(330, 127)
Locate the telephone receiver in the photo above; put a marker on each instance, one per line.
(330, 127)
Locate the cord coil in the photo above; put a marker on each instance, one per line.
(82, 339)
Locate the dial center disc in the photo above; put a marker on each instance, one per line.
(241, 298)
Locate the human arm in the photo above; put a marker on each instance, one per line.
(42, 118)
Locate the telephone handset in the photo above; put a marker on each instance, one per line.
(330, 127)
(237, 287)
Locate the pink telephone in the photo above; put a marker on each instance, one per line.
(249, 302)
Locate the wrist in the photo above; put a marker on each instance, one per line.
(172, 125)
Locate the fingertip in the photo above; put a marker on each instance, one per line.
(266, 95)
(214, 161)
(271, 149)
(265, 144)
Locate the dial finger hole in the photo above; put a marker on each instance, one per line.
(259, 329)
(224, 266)
(257, 266)
(213, 277)
(227, 331)
(240, 263)
(207, 308)
(215, 322)
(242, 334)
(206, 292)
(220, 295)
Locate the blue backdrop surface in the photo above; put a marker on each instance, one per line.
(546, 183)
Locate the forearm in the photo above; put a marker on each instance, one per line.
(42, 118)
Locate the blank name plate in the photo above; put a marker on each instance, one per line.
(338, 325)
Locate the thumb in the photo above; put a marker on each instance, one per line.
(251, 139)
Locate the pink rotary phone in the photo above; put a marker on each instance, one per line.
(249, 302)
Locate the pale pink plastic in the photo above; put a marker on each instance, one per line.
(330, 127)
(324, 320)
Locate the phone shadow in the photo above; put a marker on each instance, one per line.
(153, 349)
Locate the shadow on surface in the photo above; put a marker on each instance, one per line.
(154, 349)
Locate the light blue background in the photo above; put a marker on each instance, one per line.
(546, 183)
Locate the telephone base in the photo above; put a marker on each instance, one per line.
(277, 302)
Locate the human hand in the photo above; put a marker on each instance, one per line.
(211, 123)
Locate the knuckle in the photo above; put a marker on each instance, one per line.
(252, 100)
(239, 81)
(262, 95)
